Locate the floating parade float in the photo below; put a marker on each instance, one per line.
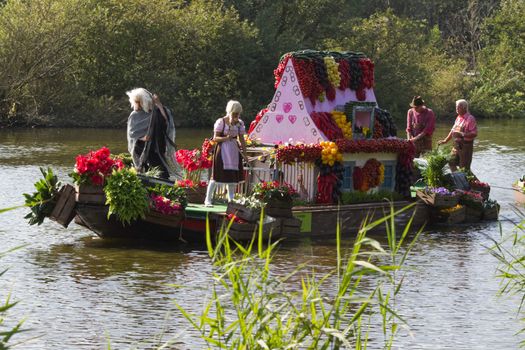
(323, 157)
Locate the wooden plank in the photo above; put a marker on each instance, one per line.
(64, 211)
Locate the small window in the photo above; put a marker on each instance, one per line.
(363, 122)
(390, 175)
(348, 183)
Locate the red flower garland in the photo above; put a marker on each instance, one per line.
(344, 72)
(325, 123)
(278, 72)
(378, 130)
(325, 188)
(298, 153)
(258, 118)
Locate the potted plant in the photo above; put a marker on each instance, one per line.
(490, 210)
(90, 174)
(246, 208)
(482, 187)
(473, 202)
(439, 197)
(278, 197)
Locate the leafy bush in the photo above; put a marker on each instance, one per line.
(126, 196)
(43, 200)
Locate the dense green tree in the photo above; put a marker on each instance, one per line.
(36, 39)
(501, 86)
(69, 62)
(408, 61)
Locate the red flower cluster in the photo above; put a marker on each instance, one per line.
(192, 160)
(95, 166)
(280, 190)
(308, 83)
(190, 184)
(164, 205)
(369, 176)
(477, 183)
(298, 153)
(207, 147)
(236, 219)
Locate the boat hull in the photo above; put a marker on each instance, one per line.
(95, 217)
(323, 221)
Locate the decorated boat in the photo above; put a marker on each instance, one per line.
(323, 158)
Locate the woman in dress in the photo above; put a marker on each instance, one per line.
(228, 133)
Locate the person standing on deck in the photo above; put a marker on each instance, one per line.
(150, 132)
(421, 123)
(227, 167)
(464, 132)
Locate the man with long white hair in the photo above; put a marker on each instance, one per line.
(150, 133)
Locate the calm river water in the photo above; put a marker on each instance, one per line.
(79, 292)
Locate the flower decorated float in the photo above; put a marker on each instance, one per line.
(325, 126)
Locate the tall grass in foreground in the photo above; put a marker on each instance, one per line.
(251, 307)
(510, 252)
(7, 332)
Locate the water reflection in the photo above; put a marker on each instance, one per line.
(73, 287)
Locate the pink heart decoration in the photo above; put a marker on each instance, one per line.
(292, 118)
(287, 107)
(279, 118)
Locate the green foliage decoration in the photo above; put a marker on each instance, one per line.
(355, 197)
(126, 196)
(43, 200)
(433, 173)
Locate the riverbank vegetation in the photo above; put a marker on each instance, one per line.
(69, 62)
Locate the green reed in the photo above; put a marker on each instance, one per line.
(509, 250)
(8, 331)
(253, 307)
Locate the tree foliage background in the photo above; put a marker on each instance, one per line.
(69, 62)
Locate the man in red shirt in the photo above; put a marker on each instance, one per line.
(464, 132)
(421, 122)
